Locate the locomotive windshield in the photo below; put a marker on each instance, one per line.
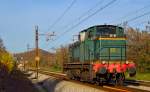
(106, 31)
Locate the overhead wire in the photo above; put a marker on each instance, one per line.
(91, 9)
(131, 13)
(132, 19)
(140, 23)
(62, 15)
(86, 18)
(83, 15)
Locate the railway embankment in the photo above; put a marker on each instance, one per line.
(16, 81)
(52, 84)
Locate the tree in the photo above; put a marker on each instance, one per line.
(139, 48)
(2, 47)
(61, 55)
(6, 59)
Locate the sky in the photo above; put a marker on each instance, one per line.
(19, 17)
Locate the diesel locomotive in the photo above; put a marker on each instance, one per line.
(99, 56)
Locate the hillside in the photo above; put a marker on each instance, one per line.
(46, 58)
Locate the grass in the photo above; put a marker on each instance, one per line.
(52, 69)
(140, 76)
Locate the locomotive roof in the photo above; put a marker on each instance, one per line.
(113, 26)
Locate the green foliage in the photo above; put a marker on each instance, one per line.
(140, 76)
(56, 68)
(53, 68)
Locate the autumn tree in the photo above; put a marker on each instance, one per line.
(139, 48)
(61, 55)
(6, 59)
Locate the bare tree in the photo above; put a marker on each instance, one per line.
(139, 48)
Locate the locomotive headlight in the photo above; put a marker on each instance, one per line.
(127, 62)
(103, 62)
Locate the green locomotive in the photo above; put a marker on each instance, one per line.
(99, 55)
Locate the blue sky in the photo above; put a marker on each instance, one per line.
(18, 18)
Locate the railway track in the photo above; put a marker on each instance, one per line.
(144, 83)
(64, 77)
(106, 87)
(138, 82)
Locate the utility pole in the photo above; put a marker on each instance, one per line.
(37, 58)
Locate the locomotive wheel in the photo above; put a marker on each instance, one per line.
(123, 76)
(84, 76)
(108, 78)
(116, 79)
(119, 79)
(69, 74)
(99, 81)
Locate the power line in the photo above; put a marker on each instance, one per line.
(100, 9)
(132, 19)
(87, 12)
(140, 23)
(62, 15)
(86, 18)
(84, 14)
(131, 13)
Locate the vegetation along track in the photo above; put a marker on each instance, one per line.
(106, 87)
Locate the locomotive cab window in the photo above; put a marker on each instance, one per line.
(106, 32)
(120, 32)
